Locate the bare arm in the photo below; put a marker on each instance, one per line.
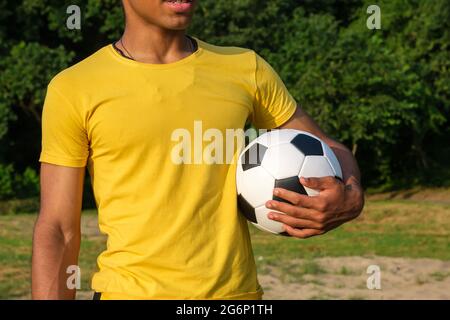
(337, 202)
(56, 239)
(302, 121)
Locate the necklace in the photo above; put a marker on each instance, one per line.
(191, 48)
(123, 46)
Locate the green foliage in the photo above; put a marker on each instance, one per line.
(27, 183)
(376, 90)
(384, 93)
(16, 185)
(26, 71)
(6, 181)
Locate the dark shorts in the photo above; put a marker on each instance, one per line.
(97, 296)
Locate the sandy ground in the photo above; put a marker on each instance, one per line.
(346, 278)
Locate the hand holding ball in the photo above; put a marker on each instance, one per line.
(278, 159)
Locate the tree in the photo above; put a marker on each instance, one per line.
(385, 93)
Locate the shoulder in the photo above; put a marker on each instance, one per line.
(223, 50)
(227, 52)
(81, 73)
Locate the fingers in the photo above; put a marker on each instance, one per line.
(306, 216)
(294, 211)
(307, 233)
(319, 183)
(329, 185)
(295, 198)
(302, 233)
(294, 222)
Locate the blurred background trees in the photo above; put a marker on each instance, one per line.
(384, 93)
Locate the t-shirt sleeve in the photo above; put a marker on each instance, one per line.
(273, 104)
(64, 137)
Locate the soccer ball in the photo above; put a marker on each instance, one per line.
(279, 158)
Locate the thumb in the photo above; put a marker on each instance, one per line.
(317, 183)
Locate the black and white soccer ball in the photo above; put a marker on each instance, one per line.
(278, 159)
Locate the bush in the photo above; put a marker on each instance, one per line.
(18, 185)
(6, 181)
(30, 205)
(384, 93)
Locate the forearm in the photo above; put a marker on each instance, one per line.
(53, 252)
(349, 166)
(354, 195)
(302, 121)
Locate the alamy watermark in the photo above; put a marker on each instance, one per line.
(73, 21)
(74, 278)
(374, 280)
(374, 20)
(210, 146)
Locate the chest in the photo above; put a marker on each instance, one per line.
(146, 111)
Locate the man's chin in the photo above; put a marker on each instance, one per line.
(178, 23)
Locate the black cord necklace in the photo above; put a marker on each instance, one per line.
(128, 52)
(120, 51)
(192, 46)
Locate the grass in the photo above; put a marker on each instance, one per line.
(15, 254)
(397, 228)
(291, 271)
(344, 271)
(322, 296)
(440, 276)
(356, 297)
(311, 267)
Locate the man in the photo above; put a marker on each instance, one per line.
(174, 231)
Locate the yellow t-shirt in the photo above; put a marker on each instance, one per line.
(173, 229)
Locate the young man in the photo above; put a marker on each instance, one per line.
(174, 231)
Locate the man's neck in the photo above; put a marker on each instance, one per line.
(151, 44)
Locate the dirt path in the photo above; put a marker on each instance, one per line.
(346, 278)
